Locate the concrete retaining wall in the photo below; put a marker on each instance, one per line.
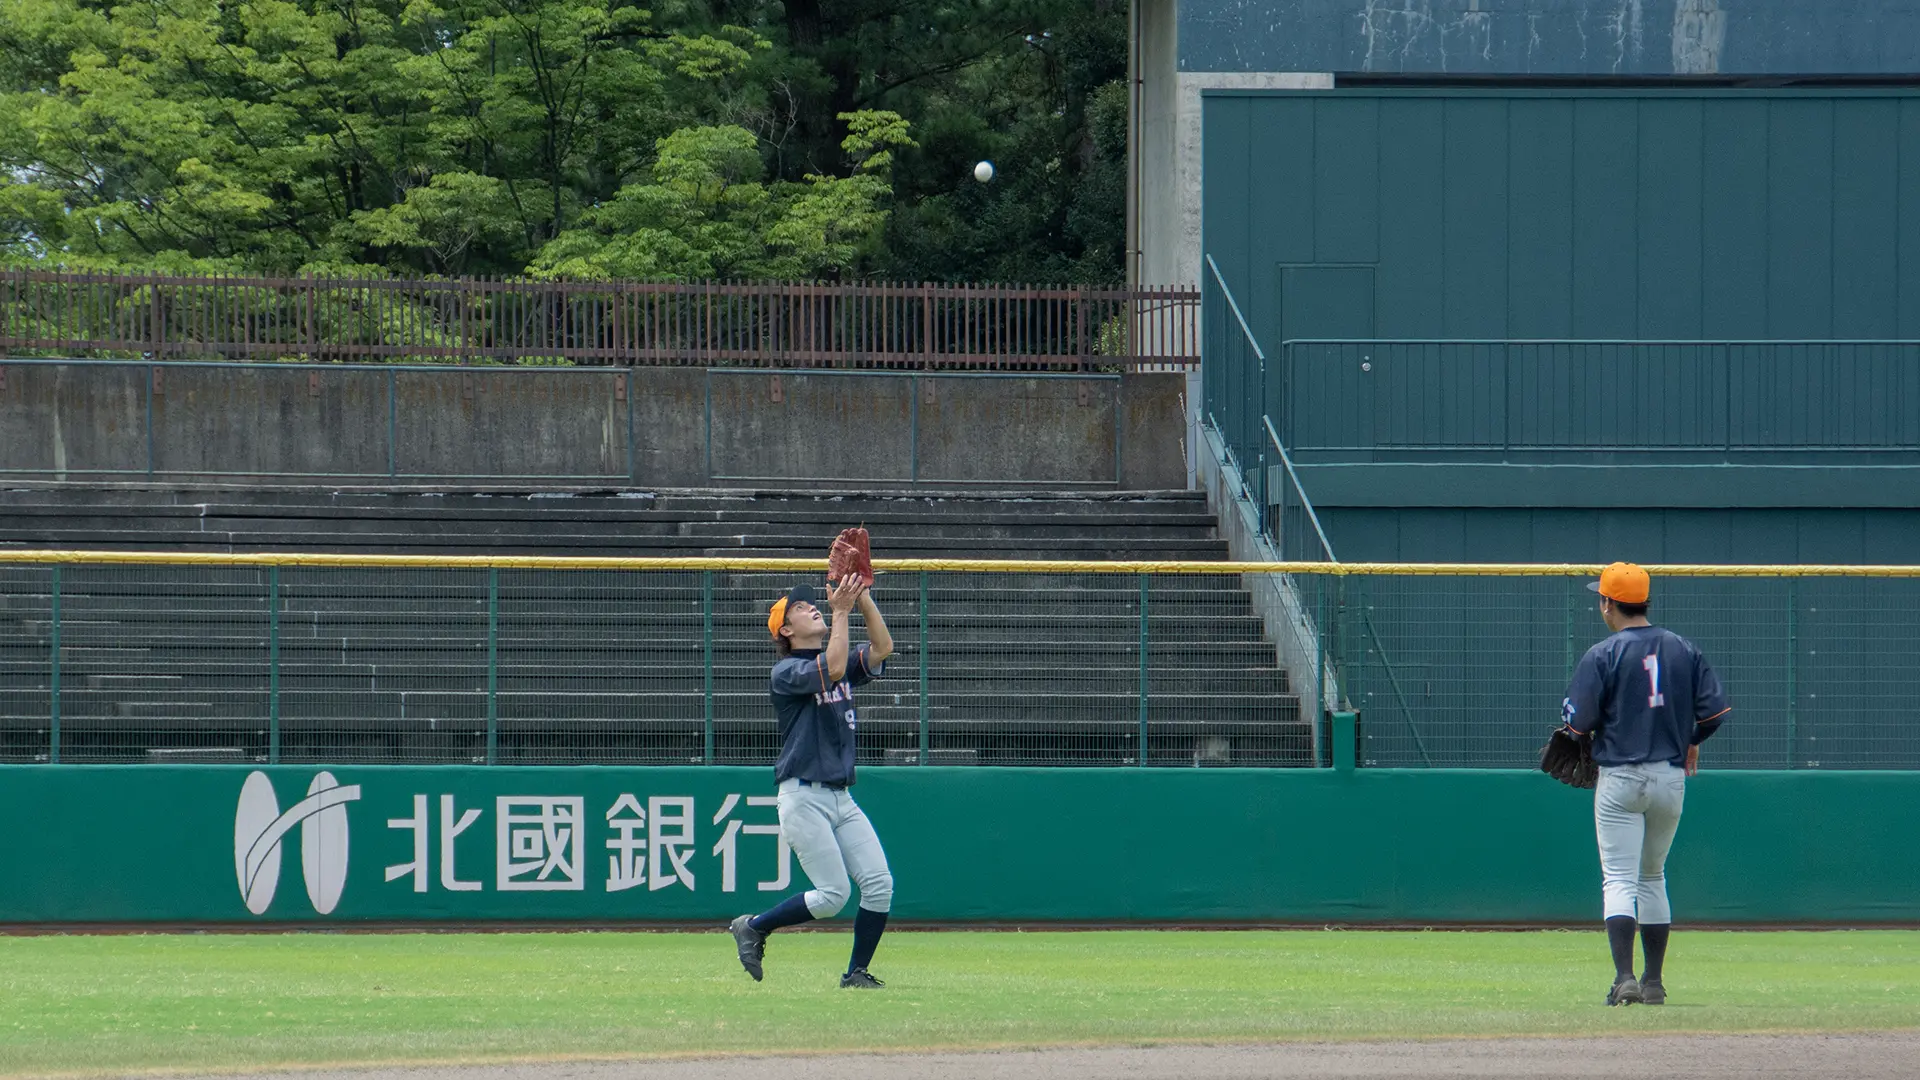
(102, 421)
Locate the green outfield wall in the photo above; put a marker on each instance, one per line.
(230, 845)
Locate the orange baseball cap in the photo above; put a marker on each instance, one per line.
(777, 615)
(1623, 583)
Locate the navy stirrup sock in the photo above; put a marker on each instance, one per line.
(789, 912)
(1620, 937)
(867, 928)
(1653, 939)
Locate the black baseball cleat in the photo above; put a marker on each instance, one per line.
(1652, 992)
(1625, 992)
(752, 944)
(860, 979)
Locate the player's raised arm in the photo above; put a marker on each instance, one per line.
(879, 638)
(841, 600)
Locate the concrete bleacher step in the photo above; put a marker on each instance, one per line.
(931, 521)
(1063, 656)
(369, 606)
(875, 505)
(1007, 634)
(1138, 524)
(755, 547)
(324, 588)
(386, 532)
(606, 700)
(960, 674)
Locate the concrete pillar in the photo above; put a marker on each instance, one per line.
(1168, 201)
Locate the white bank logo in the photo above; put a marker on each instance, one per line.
(259, 826)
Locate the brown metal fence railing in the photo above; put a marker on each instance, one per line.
(868, 326)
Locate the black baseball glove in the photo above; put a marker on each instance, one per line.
(1568, 758)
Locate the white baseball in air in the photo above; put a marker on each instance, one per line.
(983, 172)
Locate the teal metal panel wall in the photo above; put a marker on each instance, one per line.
(1603, 534)
(1623, 215)
(1574, 213)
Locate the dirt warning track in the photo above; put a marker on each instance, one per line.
(1880, 1056)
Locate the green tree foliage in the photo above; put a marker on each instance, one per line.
(1050, 111)
(569, 138)
(706, 211)
(1028, 84)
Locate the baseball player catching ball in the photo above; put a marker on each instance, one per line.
(1649, 699)
(812, 690)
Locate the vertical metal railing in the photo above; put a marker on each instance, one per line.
(273, 664)
(925, 653)
(1792, 666)
(1146, 584)
(1566, 652)
(706, 667)
(1234, 385)
(493, 665)
(800, 324)
(53, 679)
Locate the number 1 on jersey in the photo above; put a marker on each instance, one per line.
(1655, 698)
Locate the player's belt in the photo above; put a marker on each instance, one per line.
(829, 787)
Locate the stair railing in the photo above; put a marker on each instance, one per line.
(1299, 537)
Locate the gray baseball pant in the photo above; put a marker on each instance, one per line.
(837, 847)
(1636, 810)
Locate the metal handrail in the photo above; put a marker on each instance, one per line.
(1235, 307)
(1258, 467)
(1366, 619)
(1294, 478)
(1509, 396)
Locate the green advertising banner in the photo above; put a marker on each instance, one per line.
(221, 844)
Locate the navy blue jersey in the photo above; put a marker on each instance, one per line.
(1651, 694)
(817, 722)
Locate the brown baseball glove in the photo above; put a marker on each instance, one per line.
(851, 557)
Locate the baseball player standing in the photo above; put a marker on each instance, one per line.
(1650, 699)
(812, 690)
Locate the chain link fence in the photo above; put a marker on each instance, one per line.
(633, 662)
(1468, 670)
(529, 661)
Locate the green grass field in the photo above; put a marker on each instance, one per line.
(117, 1004)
